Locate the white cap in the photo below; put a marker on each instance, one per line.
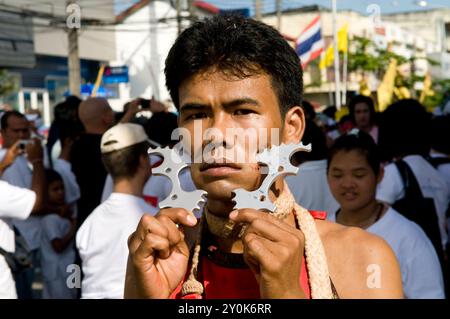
(121, 136)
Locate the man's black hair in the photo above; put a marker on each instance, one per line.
(7, 115)
(314, 135)
(160, 126)
(404, 130)
(52, 176)
(361, 142)
(238, 47)
(440, 134)
(308, 109)
(367, 100)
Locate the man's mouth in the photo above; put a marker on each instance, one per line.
(219, 168)
(349, 195)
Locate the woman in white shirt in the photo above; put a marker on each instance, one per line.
(354, 171)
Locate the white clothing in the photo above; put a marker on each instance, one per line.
(431, 183)
(71, 188)
(419, 263)
(310, 187)
(102, 244)
(20, 174)
(157, 186)
(54, 264)
(15, 203)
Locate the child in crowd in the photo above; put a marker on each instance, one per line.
(57, 243)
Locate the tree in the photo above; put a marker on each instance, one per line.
(367, 58)
(7, 83)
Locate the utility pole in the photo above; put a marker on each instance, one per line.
(337, 74)
(178, 4)
(73, 58)
(258, 14)
(278, 6)
(192, 15)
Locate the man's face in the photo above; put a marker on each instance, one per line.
(18, 129)
(214, 101)
(362, 115)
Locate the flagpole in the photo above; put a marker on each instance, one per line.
(344, 76)
(336, 58)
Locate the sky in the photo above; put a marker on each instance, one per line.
(386, 6)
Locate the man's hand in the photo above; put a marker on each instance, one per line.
(158, 254)
(273, 250)
(34, 151)
(156, 106)
(10, 156)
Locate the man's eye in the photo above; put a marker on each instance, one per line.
(336, 176)
(243, 112)
(359, 175)
(196, 116)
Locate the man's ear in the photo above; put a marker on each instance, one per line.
(294, 125)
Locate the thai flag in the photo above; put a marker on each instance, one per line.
(310, 43)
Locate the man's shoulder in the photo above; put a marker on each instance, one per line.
(353, 255)
(353, 241)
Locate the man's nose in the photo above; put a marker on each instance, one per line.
(23, 134)
(348, 183)
(217, 130)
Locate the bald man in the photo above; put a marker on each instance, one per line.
(97, 117)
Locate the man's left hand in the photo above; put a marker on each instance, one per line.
(273, 250)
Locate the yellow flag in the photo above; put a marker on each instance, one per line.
(427, 88)
(328, 58)
(385, 90)
(343, 39)
(364, 88)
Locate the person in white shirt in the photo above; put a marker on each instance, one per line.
(17, 203)
(440, 154)
(157, 187)
(353, 173)
(15, 127)
(102, 238)
(57, 241)
(310, 186)
(409, 140)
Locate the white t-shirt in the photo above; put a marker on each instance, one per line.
(431, 183)
(20, 174)
(54, 264)
(157, 186)
(15, 203)
(444, 171)
(419, 264)
(102, 244)
(310, 187)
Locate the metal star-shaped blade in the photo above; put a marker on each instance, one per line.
(278, 163)
(171, 167)
(252, 199)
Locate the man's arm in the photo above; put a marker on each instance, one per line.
(35, 157)
(362, 265)
(10, 157)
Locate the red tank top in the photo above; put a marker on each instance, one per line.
(236, 283)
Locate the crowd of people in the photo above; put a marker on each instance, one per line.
(76, 195)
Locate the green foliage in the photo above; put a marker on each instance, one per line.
(366, 57)
(7, 83)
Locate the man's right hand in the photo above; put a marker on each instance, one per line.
(34, 151)
(10, 156)
(158, 254)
